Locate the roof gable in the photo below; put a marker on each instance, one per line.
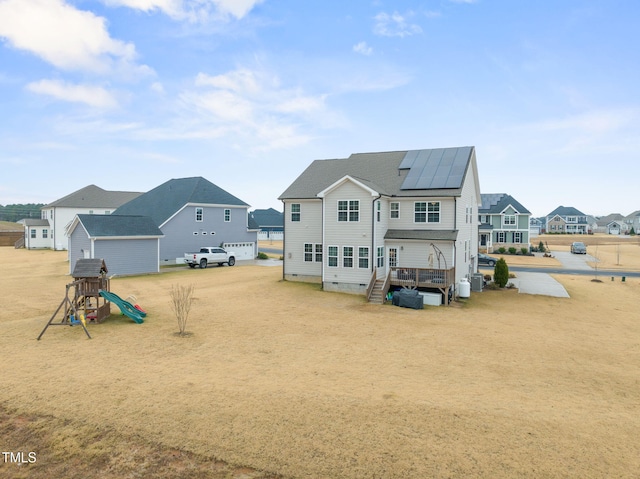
(348, 179)
(93, 196)
(164, 201)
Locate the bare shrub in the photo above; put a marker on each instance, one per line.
(181, 299)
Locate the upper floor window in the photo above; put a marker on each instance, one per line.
(572, 219)
(427, 212)
(349, 210)
(295, 211)
(378, 210)
(199, 214)
(394, 211)
(509, 220)
(227, 215)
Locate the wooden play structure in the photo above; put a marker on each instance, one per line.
(82, 301)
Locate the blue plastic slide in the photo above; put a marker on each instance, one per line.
(126, 307)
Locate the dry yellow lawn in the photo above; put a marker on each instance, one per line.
(286, 378)
(612, 252)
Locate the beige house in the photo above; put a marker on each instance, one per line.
(377, 220)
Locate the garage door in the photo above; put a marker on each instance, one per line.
(242, 250)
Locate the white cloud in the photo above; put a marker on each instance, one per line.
(395, 25)
(66, 37)
(191, 10)
(252, 104)
(363, 48)
(90, 95)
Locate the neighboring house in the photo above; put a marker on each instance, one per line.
(567, 219)
(270, 223)
(128, 244)
(37, 234)
(375, 220)
(633, 221)
(617, 227)
(609, 224)
(536, 226)
(88, 200)
(504, 222)
(192, 213)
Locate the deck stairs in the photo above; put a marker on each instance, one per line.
(377, 293)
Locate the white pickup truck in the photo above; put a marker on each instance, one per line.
(210, 254)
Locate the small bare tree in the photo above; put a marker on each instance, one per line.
(181, 299)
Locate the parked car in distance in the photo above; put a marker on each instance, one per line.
(577, 247)
(486, 259)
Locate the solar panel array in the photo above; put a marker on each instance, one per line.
(435, 169)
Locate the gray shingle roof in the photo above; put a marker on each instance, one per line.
(566, 211)
(269, 217)
(162, 202)
(93, 196)
(119, 225)
(495, 203)
(388, 173)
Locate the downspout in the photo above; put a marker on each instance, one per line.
(455, 245)
(284, 236)
(323, 243)
(374, 254)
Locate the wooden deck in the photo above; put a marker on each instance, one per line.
(422, 278)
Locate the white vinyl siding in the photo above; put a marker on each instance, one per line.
(306, 228)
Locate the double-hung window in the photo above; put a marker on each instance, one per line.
(308, 252)
(199, 214)
(295, 212)
(433, 212)
(227, 215)
(349, 210)
(380, 256)
(363, 257)
(332, 256)
(394, 210)
(347, 256)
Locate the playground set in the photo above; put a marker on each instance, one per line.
(88, 298)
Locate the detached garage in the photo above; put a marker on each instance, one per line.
(128, 244)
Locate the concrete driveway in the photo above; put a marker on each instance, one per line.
(538, 283)
(574, 261)
(542, 283)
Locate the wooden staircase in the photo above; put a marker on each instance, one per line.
(377, 293)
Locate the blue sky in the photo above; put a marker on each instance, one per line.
(127, 94)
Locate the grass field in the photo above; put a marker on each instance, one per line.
(281, 379)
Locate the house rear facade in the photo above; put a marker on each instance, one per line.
(399, 218)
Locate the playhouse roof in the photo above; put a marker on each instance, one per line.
(89, 268)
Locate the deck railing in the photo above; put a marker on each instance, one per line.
(422, 277)
(372, 282)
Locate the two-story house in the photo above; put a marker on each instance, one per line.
(633, 222)
(59, 214)
(567, 219)
(376, 220)
(504, 222)
(193, 212)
